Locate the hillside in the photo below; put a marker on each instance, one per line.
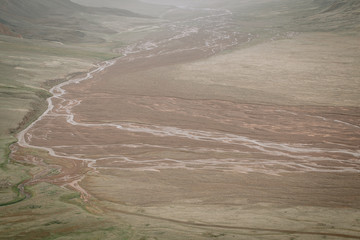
(57, 20)
(137, 6)
(336, 15)
(5, 30)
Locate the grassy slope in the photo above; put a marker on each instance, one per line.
(336, 15)
(289, 69)
(131, 5)
(57, 20)
(299, 71)
(296, 69)
(60, 214)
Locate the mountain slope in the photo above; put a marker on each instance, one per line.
(131, 5)
(56, 20)
(5, 30)
(336, 15)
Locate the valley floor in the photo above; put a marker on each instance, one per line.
(199, 135)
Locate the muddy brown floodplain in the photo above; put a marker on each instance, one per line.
(178, 157)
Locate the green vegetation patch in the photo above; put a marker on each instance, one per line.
(70, 196)
(18, 196)
(48, 215)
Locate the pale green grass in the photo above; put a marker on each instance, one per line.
(288, 72)
(57, 217)
(132, 5)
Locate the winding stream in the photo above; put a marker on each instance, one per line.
(207, 34)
